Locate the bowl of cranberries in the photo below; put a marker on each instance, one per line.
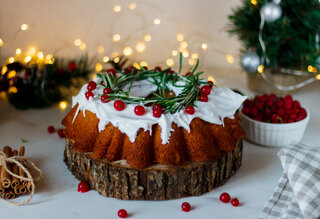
(274, 121)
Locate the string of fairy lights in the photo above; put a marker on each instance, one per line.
(182, 45)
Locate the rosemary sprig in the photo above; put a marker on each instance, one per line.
(188, 96)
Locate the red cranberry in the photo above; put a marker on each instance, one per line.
(72, 66)
(157, 69)
(235, 202)
(170, 72)
(105, 98)
(129, 70)
(91, 86)
(225, 197)
(157, 106)
(102, 83)
(254, 111)
(185, 207)
(203, 98)
(145, 68)
(246, 111)
(259, 105)
(119, 105)
(122, 213)
(89, 94)
(157, 113)
(275, 118)
(296, 104)
(280, 112)
(189, 110)
(139, 110)
(279, 104)
(61, 133)
(206, 89)
(51, 129)
(107, 90)
(83, 187)
(112, 72)
(189, 74)
(211, 83)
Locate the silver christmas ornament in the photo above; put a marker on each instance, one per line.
(250, 61)
(271, 11)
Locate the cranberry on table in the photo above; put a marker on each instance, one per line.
(119, 105)
(225, 197)
(203, 98)
(139, 110)
(61, 133)
(185, 207)
(107, 90)
(83, 187)
(206, 89)
(189, 110)
(112, 72)
(122, 213)
(89, 94)
(51, 129)
(235, 202)
(91, 86)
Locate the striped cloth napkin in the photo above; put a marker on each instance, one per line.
(298, 192)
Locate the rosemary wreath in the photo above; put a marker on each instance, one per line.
(160, 78)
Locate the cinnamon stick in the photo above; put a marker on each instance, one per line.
(15, 169)
(22, 189)
(1, 187)
(21, 172)
(5, 176)
(9, 194)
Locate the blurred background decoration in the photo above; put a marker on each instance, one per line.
(149, 32)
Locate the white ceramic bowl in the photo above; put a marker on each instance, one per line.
(270, 134)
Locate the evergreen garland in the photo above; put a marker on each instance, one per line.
(37, 84)
(290, 41)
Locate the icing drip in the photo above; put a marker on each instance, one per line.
(222, 103)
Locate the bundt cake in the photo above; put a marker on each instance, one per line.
(148, 117)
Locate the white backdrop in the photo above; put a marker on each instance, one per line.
(54, 25)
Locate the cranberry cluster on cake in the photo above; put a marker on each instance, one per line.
(153, 116)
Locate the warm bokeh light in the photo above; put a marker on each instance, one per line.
(191, 61)
(318, 76)
(116, 38)
(260, 68)
(100, 49)
(143, 63)
(1, 42)
(18, 51)
(105, 59)
(98, 67)
(24, 27)
(116, 60)
(49, 59)
(254, 2)
(11, 60)
(136, 65)
(77, 42)
(170, 62)
(127, 51)
(174, 52)
(195, 55)
(12, 90)
(117, 8)
(93, 76)
(204, 46)
(12, 74)
(83, 46)
(27, 59)
(185, 54)
(180, 37)
(4, 69)
(132, 6)
(184, 44)
(156, 21)
(211, 78)
(229, 58)
(40, 55)
(31, 51)
(147, 38)
(63, 105)
(140, 47)
(312, 69)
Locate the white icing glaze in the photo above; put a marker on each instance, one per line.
(222, 103)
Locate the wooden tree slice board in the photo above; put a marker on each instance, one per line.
(157, 182)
